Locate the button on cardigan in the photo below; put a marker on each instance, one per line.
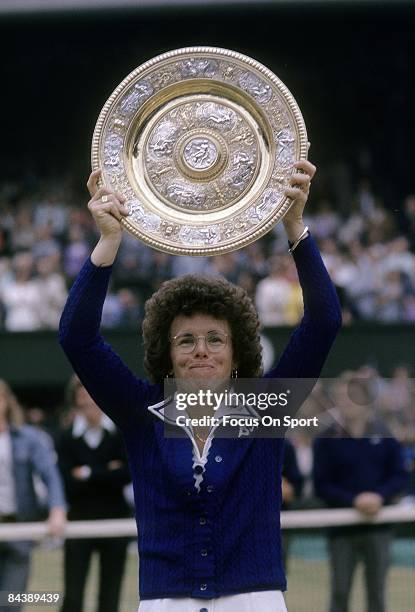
(223, 538)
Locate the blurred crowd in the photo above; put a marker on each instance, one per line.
(46, 235)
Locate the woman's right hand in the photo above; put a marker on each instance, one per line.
(107, 214)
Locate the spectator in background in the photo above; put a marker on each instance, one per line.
(6, 273)
(122, 310)
(21, 296)
(25, 452)
(111, 312)
(396, 402)
(225, 265)
(330, 253)
(398, 257)
(358, 467)
(160, 269)
(52, 290)
(75, 252)
(252, 259)
(22, 232)
(366, 199)
(131, 309)
(52, 212)
(362, 288)
(388, 298)
(326, 220)
(277, 298)
(94, 466)
(46, 245)
(351, 228)
(247, 282)
(135, 268)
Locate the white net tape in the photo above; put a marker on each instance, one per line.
(293, 519)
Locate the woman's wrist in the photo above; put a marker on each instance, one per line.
(294, 229)
(105, 251)
(293, 245)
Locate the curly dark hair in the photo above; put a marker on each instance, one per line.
(191, 294)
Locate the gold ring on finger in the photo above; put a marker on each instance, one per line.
(104, 199)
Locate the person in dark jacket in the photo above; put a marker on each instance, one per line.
(94, 466)
(357, 466)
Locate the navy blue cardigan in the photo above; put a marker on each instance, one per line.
(224, 539)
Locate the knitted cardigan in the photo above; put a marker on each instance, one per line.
(225, 538)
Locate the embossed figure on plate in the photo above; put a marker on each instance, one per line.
(256, 87)
(200, 153)
(186, 198)
(162, 141)
(195, 67)
(216, 115)
(140, 92)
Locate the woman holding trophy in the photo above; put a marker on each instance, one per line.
(207, 508)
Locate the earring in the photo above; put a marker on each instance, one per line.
(234, 373)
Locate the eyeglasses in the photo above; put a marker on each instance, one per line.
(186, 343)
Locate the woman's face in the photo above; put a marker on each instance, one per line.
(201, 363)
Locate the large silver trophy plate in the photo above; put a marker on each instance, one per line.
(201, 142)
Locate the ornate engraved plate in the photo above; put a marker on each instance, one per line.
(201, 142)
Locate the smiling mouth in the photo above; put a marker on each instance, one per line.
(201, 366)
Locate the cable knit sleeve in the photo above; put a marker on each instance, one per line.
(310, 343)
(112, 385)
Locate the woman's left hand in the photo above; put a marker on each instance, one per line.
(298, 192)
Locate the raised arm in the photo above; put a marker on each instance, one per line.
(107, 379)
(310, 343)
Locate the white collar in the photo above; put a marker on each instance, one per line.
(160, 411)
(81, 426)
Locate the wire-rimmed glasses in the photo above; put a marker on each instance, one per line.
(186, 342)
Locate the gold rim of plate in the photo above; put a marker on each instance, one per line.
(201, 142)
